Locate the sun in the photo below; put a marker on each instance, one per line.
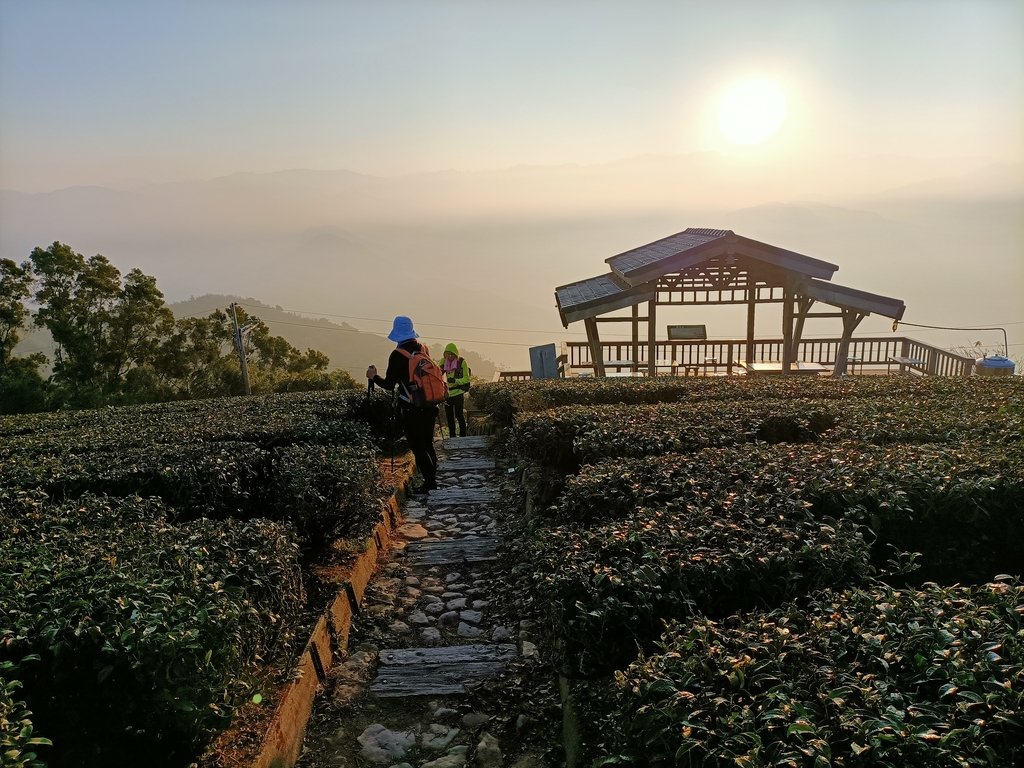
(751, 111)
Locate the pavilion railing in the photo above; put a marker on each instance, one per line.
(871, 353)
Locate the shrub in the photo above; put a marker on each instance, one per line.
(133, 636)
(874, 677)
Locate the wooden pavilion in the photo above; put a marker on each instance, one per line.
(718, 267)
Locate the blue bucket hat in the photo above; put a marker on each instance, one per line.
(402, 330)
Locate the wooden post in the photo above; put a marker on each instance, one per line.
(595, 345)
(804, 306)
(635, 346)
(787, 328)
(652, 333)
(851, 320)
(751, 304)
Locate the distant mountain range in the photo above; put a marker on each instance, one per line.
(478, 255)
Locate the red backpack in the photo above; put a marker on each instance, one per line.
(428, 385)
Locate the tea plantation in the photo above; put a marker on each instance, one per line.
(777, 572)
(156, 565)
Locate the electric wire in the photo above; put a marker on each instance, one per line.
(561, 332)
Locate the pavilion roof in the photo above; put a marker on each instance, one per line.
(635, 274)
(692, 246)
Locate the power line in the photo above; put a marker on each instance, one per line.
(561, 332)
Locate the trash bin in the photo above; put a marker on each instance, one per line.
(996, 365)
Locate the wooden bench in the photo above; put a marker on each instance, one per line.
(903, 362)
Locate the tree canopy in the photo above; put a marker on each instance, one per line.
(116, 341)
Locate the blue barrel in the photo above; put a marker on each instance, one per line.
(996, 365)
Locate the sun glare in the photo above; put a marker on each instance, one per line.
(751, 111)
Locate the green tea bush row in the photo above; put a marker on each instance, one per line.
(874, 677)
(505, 402)
(610, 586)
(269, 421)
(18, 745)
(569, 437)
(135, 636)
(912, 497)
(326, 491)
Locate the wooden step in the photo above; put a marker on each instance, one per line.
(473, 442)
(466, 464)
(452, 551)
(445, 497)
(438, 671)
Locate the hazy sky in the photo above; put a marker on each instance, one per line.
(119, 92)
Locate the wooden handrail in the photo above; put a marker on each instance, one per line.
(870, 351)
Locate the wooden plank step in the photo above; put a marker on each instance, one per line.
(444, 497)
(452, 551)
(437, 671)
(452, 654)
(456, 443)
(466, 463)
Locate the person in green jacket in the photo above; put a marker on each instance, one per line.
(456, 369)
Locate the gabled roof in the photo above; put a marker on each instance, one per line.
(635, 273)
(576, 301)
(850, 298)
(692, 246)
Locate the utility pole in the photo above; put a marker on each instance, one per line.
(241, 350)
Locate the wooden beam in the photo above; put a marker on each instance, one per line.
(595, 346)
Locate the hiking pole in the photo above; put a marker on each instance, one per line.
(391, 428)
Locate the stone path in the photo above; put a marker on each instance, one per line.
(430, 632)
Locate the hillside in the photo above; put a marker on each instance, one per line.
(348, 348)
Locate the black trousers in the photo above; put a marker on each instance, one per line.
(454, 408)
(418, 424)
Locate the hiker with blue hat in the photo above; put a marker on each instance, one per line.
(419, 386)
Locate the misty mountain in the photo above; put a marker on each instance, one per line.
(474, 257)
(347, 347)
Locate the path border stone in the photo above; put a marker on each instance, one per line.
(282, 741)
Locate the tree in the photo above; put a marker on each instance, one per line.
(22, 387)
(102, 329)
(15, 288)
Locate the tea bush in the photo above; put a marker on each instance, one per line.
(506, 402)
(134, 636)
(873, 677)
(17, 744)
(913, 497)
(610, 586)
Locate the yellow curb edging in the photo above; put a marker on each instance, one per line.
(282, 744)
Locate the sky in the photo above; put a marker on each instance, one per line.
(516, 137)
(119, 92)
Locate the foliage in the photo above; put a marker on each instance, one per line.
(133, 635)
(294, 458)
(874, 677)
(609, 586)
(148, 618)
(568, 437)
(506, 402)
(912, 497)
(118, 343)
(17, 744)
